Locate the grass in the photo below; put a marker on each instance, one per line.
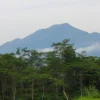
(87, 98)
(90, 93)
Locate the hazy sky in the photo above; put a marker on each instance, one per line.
(19, 18)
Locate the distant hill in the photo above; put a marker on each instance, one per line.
(43, 38)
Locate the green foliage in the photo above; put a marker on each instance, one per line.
(90, 93)
(87, 98)
(56, 75)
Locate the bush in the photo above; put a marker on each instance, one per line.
(90, 93)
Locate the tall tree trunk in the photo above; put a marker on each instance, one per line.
(26, 92)
(3, 87)
(65, 94)
(3, 92)
(64, 89)
(81, 84)
(21, 88)
(32, 90)
(56, 92)
(43, 92)
(14, 89)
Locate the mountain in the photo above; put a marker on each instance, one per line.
(43, 38)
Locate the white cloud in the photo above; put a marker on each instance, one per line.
(89, 49)
(45, 50)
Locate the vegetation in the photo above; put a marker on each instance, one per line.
(61, 74)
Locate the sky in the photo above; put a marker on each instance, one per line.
(19, 18)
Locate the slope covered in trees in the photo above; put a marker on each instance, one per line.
(61, 74)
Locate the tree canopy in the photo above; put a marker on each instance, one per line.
(60, 74)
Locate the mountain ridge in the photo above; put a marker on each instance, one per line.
(43, 38)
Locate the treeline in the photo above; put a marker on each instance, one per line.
(60, 74)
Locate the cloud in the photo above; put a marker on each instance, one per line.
(45, 50)
(89, 49)
(90, 2)
(93, 49)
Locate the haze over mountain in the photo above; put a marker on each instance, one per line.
(43, 38)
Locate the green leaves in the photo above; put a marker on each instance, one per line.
(45, 75)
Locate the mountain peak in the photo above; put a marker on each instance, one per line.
(43, 38)
(66, 25)
(61, 25)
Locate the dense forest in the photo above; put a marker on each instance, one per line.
(60, 74)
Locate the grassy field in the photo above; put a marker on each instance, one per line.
(87, 98)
